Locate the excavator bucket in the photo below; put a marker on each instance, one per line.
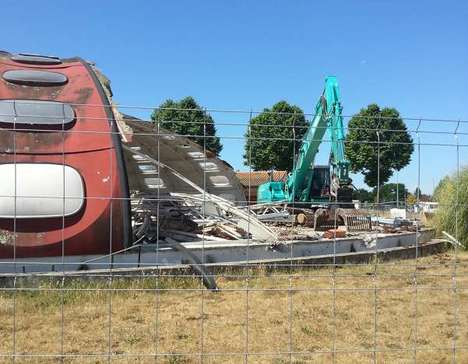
(327, 218)
(356, 220)
(331, 218)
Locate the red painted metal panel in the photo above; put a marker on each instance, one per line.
(89, 147)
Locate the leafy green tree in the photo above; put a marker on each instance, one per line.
(417, 193)
(421, 196)
(378, 134)
(363, 195)
(388, 192)
(186, 117)
(275, 137)
(440, 186)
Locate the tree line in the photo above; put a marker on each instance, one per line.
(378, 144)
(377, 140)
(392, 192)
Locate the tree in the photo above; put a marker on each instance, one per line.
(388, 192)
(421, 196)
(186, 117)
(417, 193)
(374, 135)
(440, 186)
(363, 195)
(275, 137)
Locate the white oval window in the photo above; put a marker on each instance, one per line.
(220, 181)
(35, 59)
(154, 182)
(209, 166)
(147, 169)
(41, 190)
(139, 158)
(196, 155)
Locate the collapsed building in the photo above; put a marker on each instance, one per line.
(85, 186)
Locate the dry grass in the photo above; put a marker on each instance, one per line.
(298, 312)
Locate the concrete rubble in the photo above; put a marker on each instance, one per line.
(206, 217)
(189, 209)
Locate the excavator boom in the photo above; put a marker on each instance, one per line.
(308, 183)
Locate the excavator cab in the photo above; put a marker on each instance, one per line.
(320, 184)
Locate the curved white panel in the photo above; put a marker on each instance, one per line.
(42, 190)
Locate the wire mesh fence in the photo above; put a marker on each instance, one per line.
(153, 249)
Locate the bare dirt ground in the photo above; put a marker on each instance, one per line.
(393, 312)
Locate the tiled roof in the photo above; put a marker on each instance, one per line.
(256, 178)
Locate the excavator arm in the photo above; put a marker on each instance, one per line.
(300, 184)
(305, 180)
(299, 180)
(340, 181)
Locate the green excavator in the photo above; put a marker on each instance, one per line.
(311, 186)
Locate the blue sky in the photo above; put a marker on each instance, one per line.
(246, 55)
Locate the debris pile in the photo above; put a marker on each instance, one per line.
(195, 217)
(300, 224)
(203, 216)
